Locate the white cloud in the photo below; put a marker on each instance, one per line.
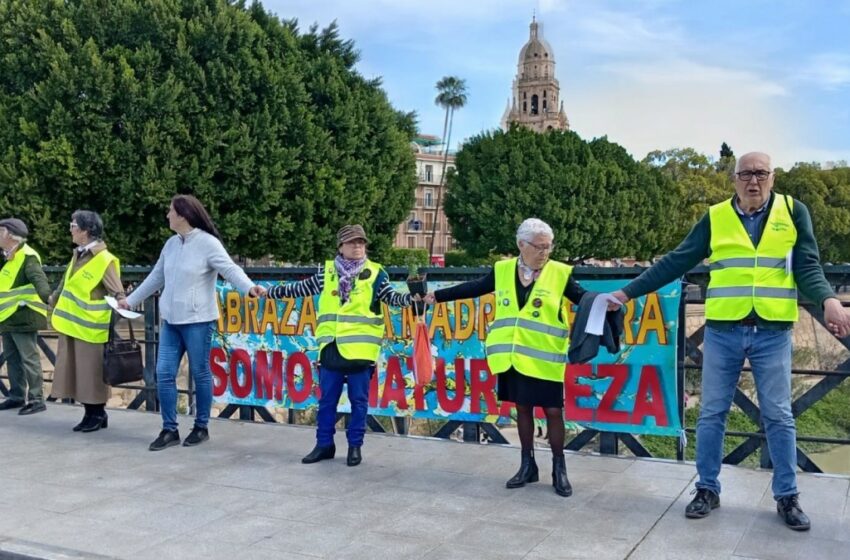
(828, 70)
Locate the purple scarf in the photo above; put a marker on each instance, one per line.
(347, 271)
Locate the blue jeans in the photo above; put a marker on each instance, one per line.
(330, 382)
(769, 353)
(175, 340)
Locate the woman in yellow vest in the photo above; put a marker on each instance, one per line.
(23, 293)
(351, 289)
(81, 316)
(528, 340)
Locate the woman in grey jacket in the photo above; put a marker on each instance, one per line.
(186, 272)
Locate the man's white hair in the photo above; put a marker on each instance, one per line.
(749, 154)
(531, 228)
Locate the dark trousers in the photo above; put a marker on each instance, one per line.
(24, 365)
(331, 382)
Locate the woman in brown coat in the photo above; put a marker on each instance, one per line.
(81, 317)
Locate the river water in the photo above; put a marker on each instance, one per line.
(835, 461)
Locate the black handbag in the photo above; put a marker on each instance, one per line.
(122, 359)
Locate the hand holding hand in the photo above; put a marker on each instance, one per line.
(257, 291)
(620, 295)
(430, 298)
(836, 317)
(122, 304)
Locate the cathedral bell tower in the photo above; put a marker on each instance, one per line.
(536, 102)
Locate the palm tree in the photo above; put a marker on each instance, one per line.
(451, 95)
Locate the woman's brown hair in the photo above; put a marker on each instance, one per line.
(194, 212)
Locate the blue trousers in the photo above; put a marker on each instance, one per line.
(769, 353)
(193, 339)
(331, 382)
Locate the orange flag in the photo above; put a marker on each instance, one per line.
(423, 362)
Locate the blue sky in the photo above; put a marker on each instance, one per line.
(760, 75)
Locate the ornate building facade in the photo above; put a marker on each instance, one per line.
(536, 101)
(415, 231)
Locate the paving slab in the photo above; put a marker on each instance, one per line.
(245, 494)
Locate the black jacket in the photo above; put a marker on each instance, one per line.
(584, 346)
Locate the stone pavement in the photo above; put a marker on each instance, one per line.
(246, 495)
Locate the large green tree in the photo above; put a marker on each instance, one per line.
(117, 105)
(826, 193)
(599, 201)
(699, 183)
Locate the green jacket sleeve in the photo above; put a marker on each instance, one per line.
(693, 249)
(808, 272)
(35, 275)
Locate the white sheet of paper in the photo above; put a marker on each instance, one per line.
(596, 321)
(113, 303)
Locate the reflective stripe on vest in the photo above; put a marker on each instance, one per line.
(358, 332)
(22, 296)
(744, 277)
(534, 339)
(76, 314)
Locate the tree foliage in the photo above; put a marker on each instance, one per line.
(117, 105)
(827, 195)
(599, 201)
(699, 184)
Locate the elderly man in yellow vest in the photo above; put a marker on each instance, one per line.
(23, 293)
(760, 248)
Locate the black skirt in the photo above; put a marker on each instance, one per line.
(529, 391)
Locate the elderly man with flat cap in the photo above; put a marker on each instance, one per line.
(350, 329)
(761, 249)
(23, 311)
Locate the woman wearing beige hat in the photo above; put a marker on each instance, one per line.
(350, 329)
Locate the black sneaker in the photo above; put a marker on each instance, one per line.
(705, 501)
(166, 438)
(198, 435)
(32, 408)
(788, 508)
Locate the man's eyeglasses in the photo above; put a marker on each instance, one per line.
(74, 225)
(747, 176)
(541, 248)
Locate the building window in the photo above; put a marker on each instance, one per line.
(544, 106)
(411, 242)
(429, 173)
(429, 221)
(544, 94)
(429, 199)
(524, 95)
(533, 104)
(524, 107)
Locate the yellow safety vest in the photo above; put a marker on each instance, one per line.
(534, 339)
(13, 298)
(358, 332)
(76, 314)
(744, 277)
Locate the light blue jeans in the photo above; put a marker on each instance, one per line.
(769, 353)
(193, 339)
